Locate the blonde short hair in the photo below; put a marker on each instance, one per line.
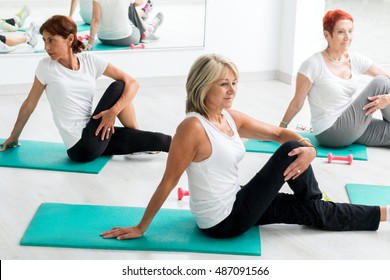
(205, 71)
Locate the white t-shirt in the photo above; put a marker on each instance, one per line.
(70, 93)
(330, 95)
(213, 182)
(86, 10)
(114, 21)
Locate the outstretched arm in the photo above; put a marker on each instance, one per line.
(183, 151)
(25, 112)
(376, 70)
(254, 129)
(73, 6)
(95, 22)
(303, 86)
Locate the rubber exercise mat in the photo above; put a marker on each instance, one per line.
(374, 195)
(47, 156)
(171, 230)
(358, 151)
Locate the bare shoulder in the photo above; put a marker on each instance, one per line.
(239, 117)
(190, 126)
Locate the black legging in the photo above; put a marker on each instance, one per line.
(259, 202)
(123, 141)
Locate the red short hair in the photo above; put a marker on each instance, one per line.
(331, 17)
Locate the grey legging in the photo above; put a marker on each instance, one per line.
(134, 38)
(353, 126)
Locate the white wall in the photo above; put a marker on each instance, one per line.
(250, 33)
(301, 34)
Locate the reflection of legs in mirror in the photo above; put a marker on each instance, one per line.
(151, 29)
(147, 9)
(31, 34)
(30, 37)
(5, 48)
(13, 24)
(22, 15)
(8, 25)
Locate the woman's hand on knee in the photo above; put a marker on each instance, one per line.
(106, 126)
(378, 102)
(305, 156)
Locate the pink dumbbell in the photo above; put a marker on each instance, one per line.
(140, 46)
(182, 193)
(348, 158)
(83, 37)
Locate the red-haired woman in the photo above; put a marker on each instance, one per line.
(340, 115)
(69, 76)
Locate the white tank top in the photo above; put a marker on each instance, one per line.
(213, 182)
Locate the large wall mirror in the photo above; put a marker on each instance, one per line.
(183, 25)
(372, 24)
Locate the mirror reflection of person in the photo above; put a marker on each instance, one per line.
(8, 43)
(69, 77)
(85, 9)
(17, 21)
(110, 23)
(208, 146)
(140, 12)
(329, 79)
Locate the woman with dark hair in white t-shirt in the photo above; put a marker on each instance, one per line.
(69, 76)
(329, 79)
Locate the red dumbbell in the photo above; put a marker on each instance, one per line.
(140, 46)
(83, 37)
(348, 158)
(182, 193)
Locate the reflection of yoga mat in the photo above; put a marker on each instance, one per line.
(79, 226)
(81, 27)
(368, 194)
(358, 151)
(47, 156)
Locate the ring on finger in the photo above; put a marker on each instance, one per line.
(298, 171)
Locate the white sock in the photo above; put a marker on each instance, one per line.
(388, 213)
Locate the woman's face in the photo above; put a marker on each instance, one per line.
(56, 46)
(341, 36)
(222, 92)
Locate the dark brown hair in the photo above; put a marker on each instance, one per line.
(63, 26)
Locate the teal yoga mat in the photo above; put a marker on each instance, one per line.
(47, 156)
(175, 230)
(358, 151)
(374, 195)
(100, 47)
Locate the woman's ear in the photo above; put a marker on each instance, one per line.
(327, 35)
(71, 39)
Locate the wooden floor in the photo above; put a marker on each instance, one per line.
(131, 180)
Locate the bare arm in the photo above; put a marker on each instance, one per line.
(73, 6)
(183, 151)
(303, 86)
(95, 22)
(376, 70)
(254, 129)
(25, 112)
(130, 90)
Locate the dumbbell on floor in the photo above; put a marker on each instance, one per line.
(182, 193)
(348, 158)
